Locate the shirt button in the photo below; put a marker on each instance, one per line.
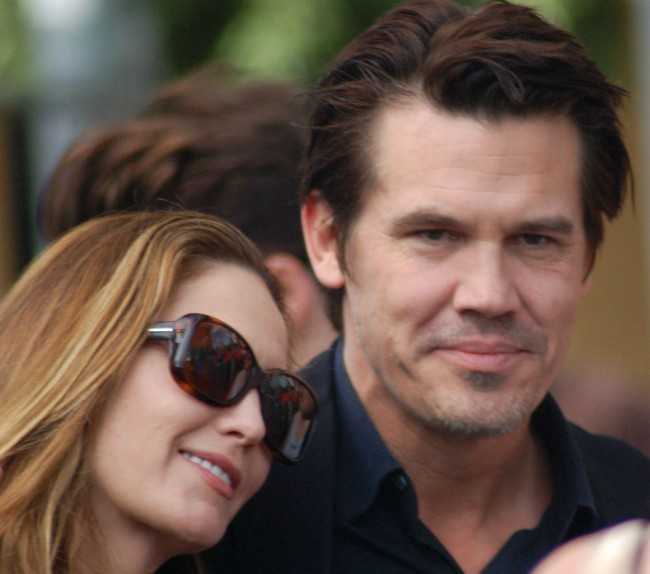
(401, 482)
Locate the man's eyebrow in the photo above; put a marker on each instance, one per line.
(559, 225)
(425, 218)
(430, 218)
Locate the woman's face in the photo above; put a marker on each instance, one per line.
(145, 457)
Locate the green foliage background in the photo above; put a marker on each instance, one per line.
(13, 48)
(294, 39)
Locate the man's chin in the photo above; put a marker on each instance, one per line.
(479, 417)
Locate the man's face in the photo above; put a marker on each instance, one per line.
(464, 267)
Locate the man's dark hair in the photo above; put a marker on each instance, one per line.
(500, 60)
(233, 150)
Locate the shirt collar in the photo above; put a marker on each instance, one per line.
(363, 459)
(570, 479)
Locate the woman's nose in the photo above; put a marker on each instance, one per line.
(243, 419)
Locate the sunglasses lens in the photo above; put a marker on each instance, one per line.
(288, 409)
(215, 362)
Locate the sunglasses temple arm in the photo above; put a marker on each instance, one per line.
(164, 331)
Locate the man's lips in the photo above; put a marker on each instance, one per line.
(480, 355)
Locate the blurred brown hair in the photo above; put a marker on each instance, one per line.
(206, 142)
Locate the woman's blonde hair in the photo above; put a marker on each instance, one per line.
(68, 329)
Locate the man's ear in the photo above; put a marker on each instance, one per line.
(586, 285)
(587, 279)
(321, 240)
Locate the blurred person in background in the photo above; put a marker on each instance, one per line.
(461, 165)
(142, 395)
(622, 549)
(606, 402)
(206, 143)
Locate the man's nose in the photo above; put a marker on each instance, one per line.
(243, 420)
(486, 285)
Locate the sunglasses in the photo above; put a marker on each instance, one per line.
(211, 361)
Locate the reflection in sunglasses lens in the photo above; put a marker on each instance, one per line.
(213, 363)
(290, 410)
(218, 362)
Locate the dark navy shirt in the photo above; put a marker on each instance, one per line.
(377, 529)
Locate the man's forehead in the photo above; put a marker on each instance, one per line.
(415, 137)
(433, 165)
(418, 120)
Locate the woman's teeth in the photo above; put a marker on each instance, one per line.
(213, 468)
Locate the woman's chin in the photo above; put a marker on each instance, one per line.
(195, 538)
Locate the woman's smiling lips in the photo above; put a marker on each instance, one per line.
(218, 471)
(482, 355)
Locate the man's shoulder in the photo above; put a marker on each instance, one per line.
(319, 373)
(609, 451)
(619, 474)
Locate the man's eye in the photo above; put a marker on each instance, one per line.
(436, 235)
(536, 240)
